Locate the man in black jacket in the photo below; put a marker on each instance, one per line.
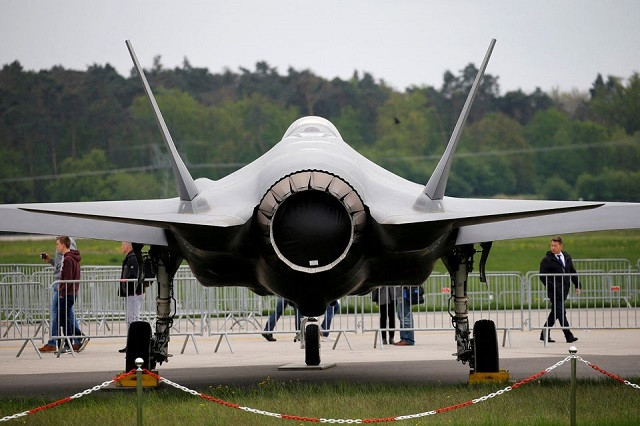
(130, 286)
(555, 263)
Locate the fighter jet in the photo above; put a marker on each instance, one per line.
(311, 221)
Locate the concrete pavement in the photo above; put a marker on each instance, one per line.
(253, 359)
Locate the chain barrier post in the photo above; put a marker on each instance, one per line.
(139, 362)
(573, 350)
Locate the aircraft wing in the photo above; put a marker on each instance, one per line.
(143, 221)
(606, 217)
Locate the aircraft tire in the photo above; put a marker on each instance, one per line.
(312, 345)
(138, 344)
(485, 347)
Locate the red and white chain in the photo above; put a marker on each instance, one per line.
(324, 420)
(69, 398)
(373, 420)
(606, 373)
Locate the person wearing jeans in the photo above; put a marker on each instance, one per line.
(332, 309)
(403, 308)
(53, 342)
(281, 305)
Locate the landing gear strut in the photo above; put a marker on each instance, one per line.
(481, 352)
(140, 343)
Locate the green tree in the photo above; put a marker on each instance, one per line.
(496, 134)
(406, 134)
(555, 188)
(614, 103)
(244, 130)
(610, 185)
(12, 191)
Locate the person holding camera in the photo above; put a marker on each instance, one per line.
(52, 344)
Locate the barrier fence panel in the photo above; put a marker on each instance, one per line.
(22, 309)
(232, 310)
(26, 269)
(605, 265)
(607, 300)
(502, 300)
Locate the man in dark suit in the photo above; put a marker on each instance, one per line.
(555, 263)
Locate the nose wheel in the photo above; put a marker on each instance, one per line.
(310, 340)
(312, 343)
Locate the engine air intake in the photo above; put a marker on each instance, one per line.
(311, 219)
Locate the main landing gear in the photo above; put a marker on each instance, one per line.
(163, 264)
(481, 351)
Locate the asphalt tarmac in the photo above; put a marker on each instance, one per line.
(254, 359)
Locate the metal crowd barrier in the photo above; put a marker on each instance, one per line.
(609, 299)
(22, 313)
(605, 265)
(501, 300)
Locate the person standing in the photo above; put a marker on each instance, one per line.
(51, 345)
(68, 288)
(386, 300)
(557, 273)
(131, 286)
(405, 315)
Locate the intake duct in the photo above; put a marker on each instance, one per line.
(311, 219)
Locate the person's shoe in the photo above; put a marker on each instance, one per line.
(123, 350)
(571, 339)
(384, 341)
(403, 343)
(326, 339)
(83, 342)
(392, 342)
(48, 348)
(550, 340)
(76, 348)
(269, 337)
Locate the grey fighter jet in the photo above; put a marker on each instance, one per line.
(312, 220)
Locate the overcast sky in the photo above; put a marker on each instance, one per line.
(541, 43)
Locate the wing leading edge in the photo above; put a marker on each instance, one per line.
(607, 217)
(33, 222)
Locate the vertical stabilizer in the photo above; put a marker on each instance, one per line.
(186, 186)
(434, 190)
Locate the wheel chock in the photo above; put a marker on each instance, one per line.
(500, 376)
(131, 381)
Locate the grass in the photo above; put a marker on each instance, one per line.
(93, 252)
(521, 255)
(542, 402)
(524, 254)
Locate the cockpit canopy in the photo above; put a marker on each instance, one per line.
(312, 125)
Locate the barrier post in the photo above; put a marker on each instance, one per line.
(139, 362)
(573, 351)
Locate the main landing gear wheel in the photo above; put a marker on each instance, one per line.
(312, 344)
(485, 347)
(139, 345)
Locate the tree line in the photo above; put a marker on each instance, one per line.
(68, 135)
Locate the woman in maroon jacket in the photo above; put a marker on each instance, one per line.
(67, 291)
